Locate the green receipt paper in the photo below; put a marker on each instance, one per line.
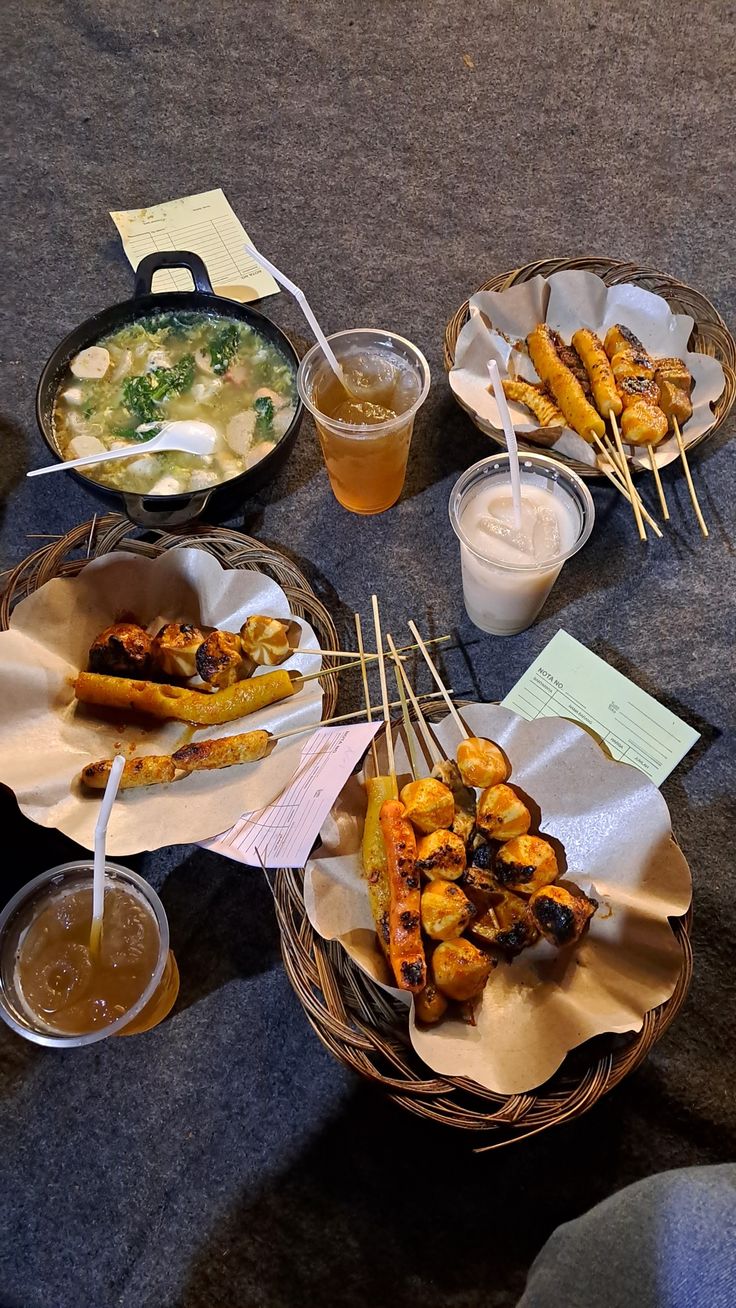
(568, 681)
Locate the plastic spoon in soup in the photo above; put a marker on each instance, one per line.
(185, 434)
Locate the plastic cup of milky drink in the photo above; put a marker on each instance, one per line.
(365, 430)
(53, 989)
(509, 568)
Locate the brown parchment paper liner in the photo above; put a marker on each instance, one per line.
(46, 737)
(615, 830)
(567, 301)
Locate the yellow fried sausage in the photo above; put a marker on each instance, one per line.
(181, 704)
(203, 755)
(598, 368)
(566, 389)
(375, 864)
(151, 770)
(522, 392)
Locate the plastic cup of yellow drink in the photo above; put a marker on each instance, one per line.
(365, 431)
(54, 989)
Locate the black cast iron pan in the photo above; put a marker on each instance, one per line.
(169, 510)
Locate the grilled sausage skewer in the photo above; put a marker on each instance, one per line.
(598, 368)
(644, 420)
(404, 945)
(563, 384)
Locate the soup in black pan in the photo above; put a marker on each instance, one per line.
(170, 366)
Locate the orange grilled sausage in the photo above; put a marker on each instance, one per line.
(598, 368)
(204, 755)
(150, 770)
(566, 389)
(405, 949)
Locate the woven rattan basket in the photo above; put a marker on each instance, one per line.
(65, 556)
(710, 334)
(353, 1017)
(363, 1026)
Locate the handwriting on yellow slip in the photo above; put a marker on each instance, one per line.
(568, 681)
(206, 225)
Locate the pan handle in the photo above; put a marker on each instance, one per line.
(151, 264)
(146, 511)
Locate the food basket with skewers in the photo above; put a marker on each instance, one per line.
(611, 367)
(83, 692)
(510, 963)
(709, 336)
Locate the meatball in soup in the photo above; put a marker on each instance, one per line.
(117, 392)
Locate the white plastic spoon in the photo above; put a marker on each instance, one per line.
(185, 434)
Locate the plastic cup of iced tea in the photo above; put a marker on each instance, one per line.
(365, 430)
(53, 990)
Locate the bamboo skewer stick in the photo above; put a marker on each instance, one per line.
(688, 478)
(433, 749)
(384, 695)
(614, 476)
(360, 654)
(366, 690)
(617, 463)
(298, 678)
(411, 740)
(428, 660)
(658, 482)
(627, 478)
(343, 717)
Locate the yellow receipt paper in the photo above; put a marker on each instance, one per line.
(206, 225)
(568, 681)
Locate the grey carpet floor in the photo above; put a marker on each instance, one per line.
(392, 156)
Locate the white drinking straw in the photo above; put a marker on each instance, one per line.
(98, 882)
(301, 298)
(510, 434)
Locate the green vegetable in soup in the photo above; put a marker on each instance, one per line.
(178, 365)
(132, 433)
(167, 325)
(265, 410)
(143, 395)
(223, 347)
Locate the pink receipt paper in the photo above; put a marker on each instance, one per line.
(284, 832)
